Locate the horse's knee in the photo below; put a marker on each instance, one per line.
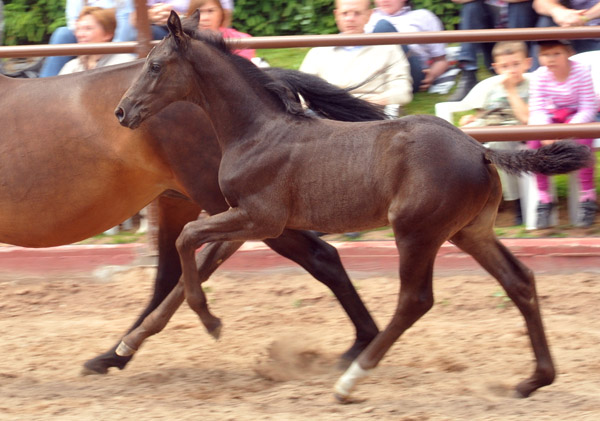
(326, 260)
(522, 289)
(186, 240)
(414, 306)
(197, 302)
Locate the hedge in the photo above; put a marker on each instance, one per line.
(32, 21)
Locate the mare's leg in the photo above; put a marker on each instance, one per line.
(417, 255)
(519, 284)
(173, 215)
(323, 262)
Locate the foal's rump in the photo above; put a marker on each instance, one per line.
(557, 158)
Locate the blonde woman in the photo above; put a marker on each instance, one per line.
(95, 24)
(214, 17)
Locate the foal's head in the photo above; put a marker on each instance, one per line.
(167, 76)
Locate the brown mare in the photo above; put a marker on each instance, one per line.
(68, 170)
(424, 177)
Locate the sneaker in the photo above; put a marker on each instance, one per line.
(586, 214)
(467, 81)
(543, 215)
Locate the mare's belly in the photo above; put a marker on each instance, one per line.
(35, 225)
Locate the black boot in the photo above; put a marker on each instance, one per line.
(543, 215)
(587, 214)
(468, 80)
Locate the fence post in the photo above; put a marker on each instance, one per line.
(144, 33)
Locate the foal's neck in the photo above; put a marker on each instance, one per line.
(236, 105)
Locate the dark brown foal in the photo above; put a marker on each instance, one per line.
(419, 174)
(69, 171)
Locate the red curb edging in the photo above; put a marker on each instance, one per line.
(539, 254)
(71, 258)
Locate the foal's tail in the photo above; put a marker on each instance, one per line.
(325, 99)
(558, 158)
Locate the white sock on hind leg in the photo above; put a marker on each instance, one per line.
(346, 383)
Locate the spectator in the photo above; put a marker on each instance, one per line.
(214, 17)
(593, 13)
(349, 66)
(581, 12)
(476, 14)
(427, 61)
(66, 34)
(506, 104)
(562, 92)
(521, 14)
(95, 24)
(158, 13)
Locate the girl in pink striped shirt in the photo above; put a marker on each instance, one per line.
(561, 91)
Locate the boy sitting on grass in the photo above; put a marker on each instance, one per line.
(506, 104)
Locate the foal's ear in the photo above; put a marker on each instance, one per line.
(174, 25)
(195, 16)
(190, 22)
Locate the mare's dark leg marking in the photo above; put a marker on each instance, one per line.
(323, 262)
(173, 214)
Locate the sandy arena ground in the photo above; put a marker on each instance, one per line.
(276, 357)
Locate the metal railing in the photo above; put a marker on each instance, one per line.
(483, 134)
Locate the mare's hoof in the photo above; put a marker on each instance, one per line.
(343, 363)
(91, 372)
(94, 367)
(103, 362)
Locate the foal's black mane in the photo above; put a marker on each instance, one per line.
(286, 86)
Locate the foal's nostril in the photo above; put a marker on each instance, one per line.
(120, 113)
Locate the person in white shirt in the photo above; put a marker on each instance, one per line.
(391, 83)
(427, 61)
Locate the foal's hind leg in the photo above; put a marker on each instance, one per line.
(519, 283)
(416, 298)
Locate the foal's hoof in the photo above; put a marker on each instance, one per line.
(523, 390)
(527, 387)
(346, 400)
(216, 331)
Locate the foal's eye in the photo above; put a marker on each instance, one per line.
(155, 68)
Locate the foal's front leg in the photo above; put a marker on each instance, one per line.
(208, 261)
(232, 225)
